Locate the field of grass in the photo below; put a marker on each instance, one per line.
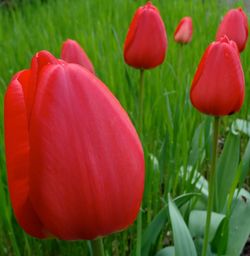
(174, 134)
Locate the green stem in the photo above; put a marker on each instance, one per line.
(141, 98)
(140, 128)
(97, 247)
(211, 184)
(138, 237)
(179, 69)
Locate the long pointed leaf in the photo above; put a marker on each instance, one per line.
(241, 126)
(245, 164)
(227, 169)
(197, 223)
(183, 242)
(152, 232)
(239, 227)
(168, 251)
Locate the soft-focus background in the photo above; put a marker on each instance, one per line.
(174, 136)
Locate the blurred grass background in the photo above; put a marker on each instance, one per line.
(174, 134)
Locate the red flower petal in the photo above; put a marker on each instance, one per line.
(40, 60)
(87, 166)
(17, 156)
(73, 53)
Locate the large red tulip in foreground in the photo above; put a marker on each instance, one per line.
(184, 31)
(218, 86)
(235, 26)
(75, 163)
(73, 53)
(146, 41)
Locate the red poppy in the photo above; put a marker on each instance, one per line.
(218, 86)
(75, 163)
(146, 41)
(73, 53)
(235, 26)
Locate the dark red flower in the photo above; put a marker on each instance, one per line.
(73, 53)
(235, 26)
(184, 31)
(218, 86)
(75, 164)
(146, 41)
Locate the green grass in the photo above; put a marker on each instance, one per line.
(170, 122)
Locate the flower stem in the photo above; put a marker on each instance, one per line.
(138, 235)
(211, 184)
(141, 98)
(97, 247)
(140, 128)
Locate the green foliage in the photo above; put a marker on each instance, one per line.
(152, 232)
(176, 138)
(183, 242)
(168, 251)
(226, 170)
(239, 225)
(197, 223)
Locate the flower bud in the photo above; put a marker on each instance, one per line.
(146, 41)
(218, 86)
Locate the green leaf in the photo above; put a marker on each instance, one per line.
(241, 126)
(168, 251)
(182, 199)
(199, 244)
(220, 240)
(227, 170)
(183, 242)
(164, 155)
(169, 110)
(239, 226)
(245, 164)
(197, 223)
(241, 193)
(152, 232)
(197, 146)
(195, 178)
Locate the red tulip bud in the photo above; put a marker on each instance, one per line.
(218, 86)
(184, 31)
(146, 41)
(73, 53)
(235, 26)
(75, 164)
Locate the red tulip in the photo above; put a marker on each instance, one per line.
(73, 53)
(235, 26)
(146, 41)
(184, 31)
(218, 85)
(74, 161)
